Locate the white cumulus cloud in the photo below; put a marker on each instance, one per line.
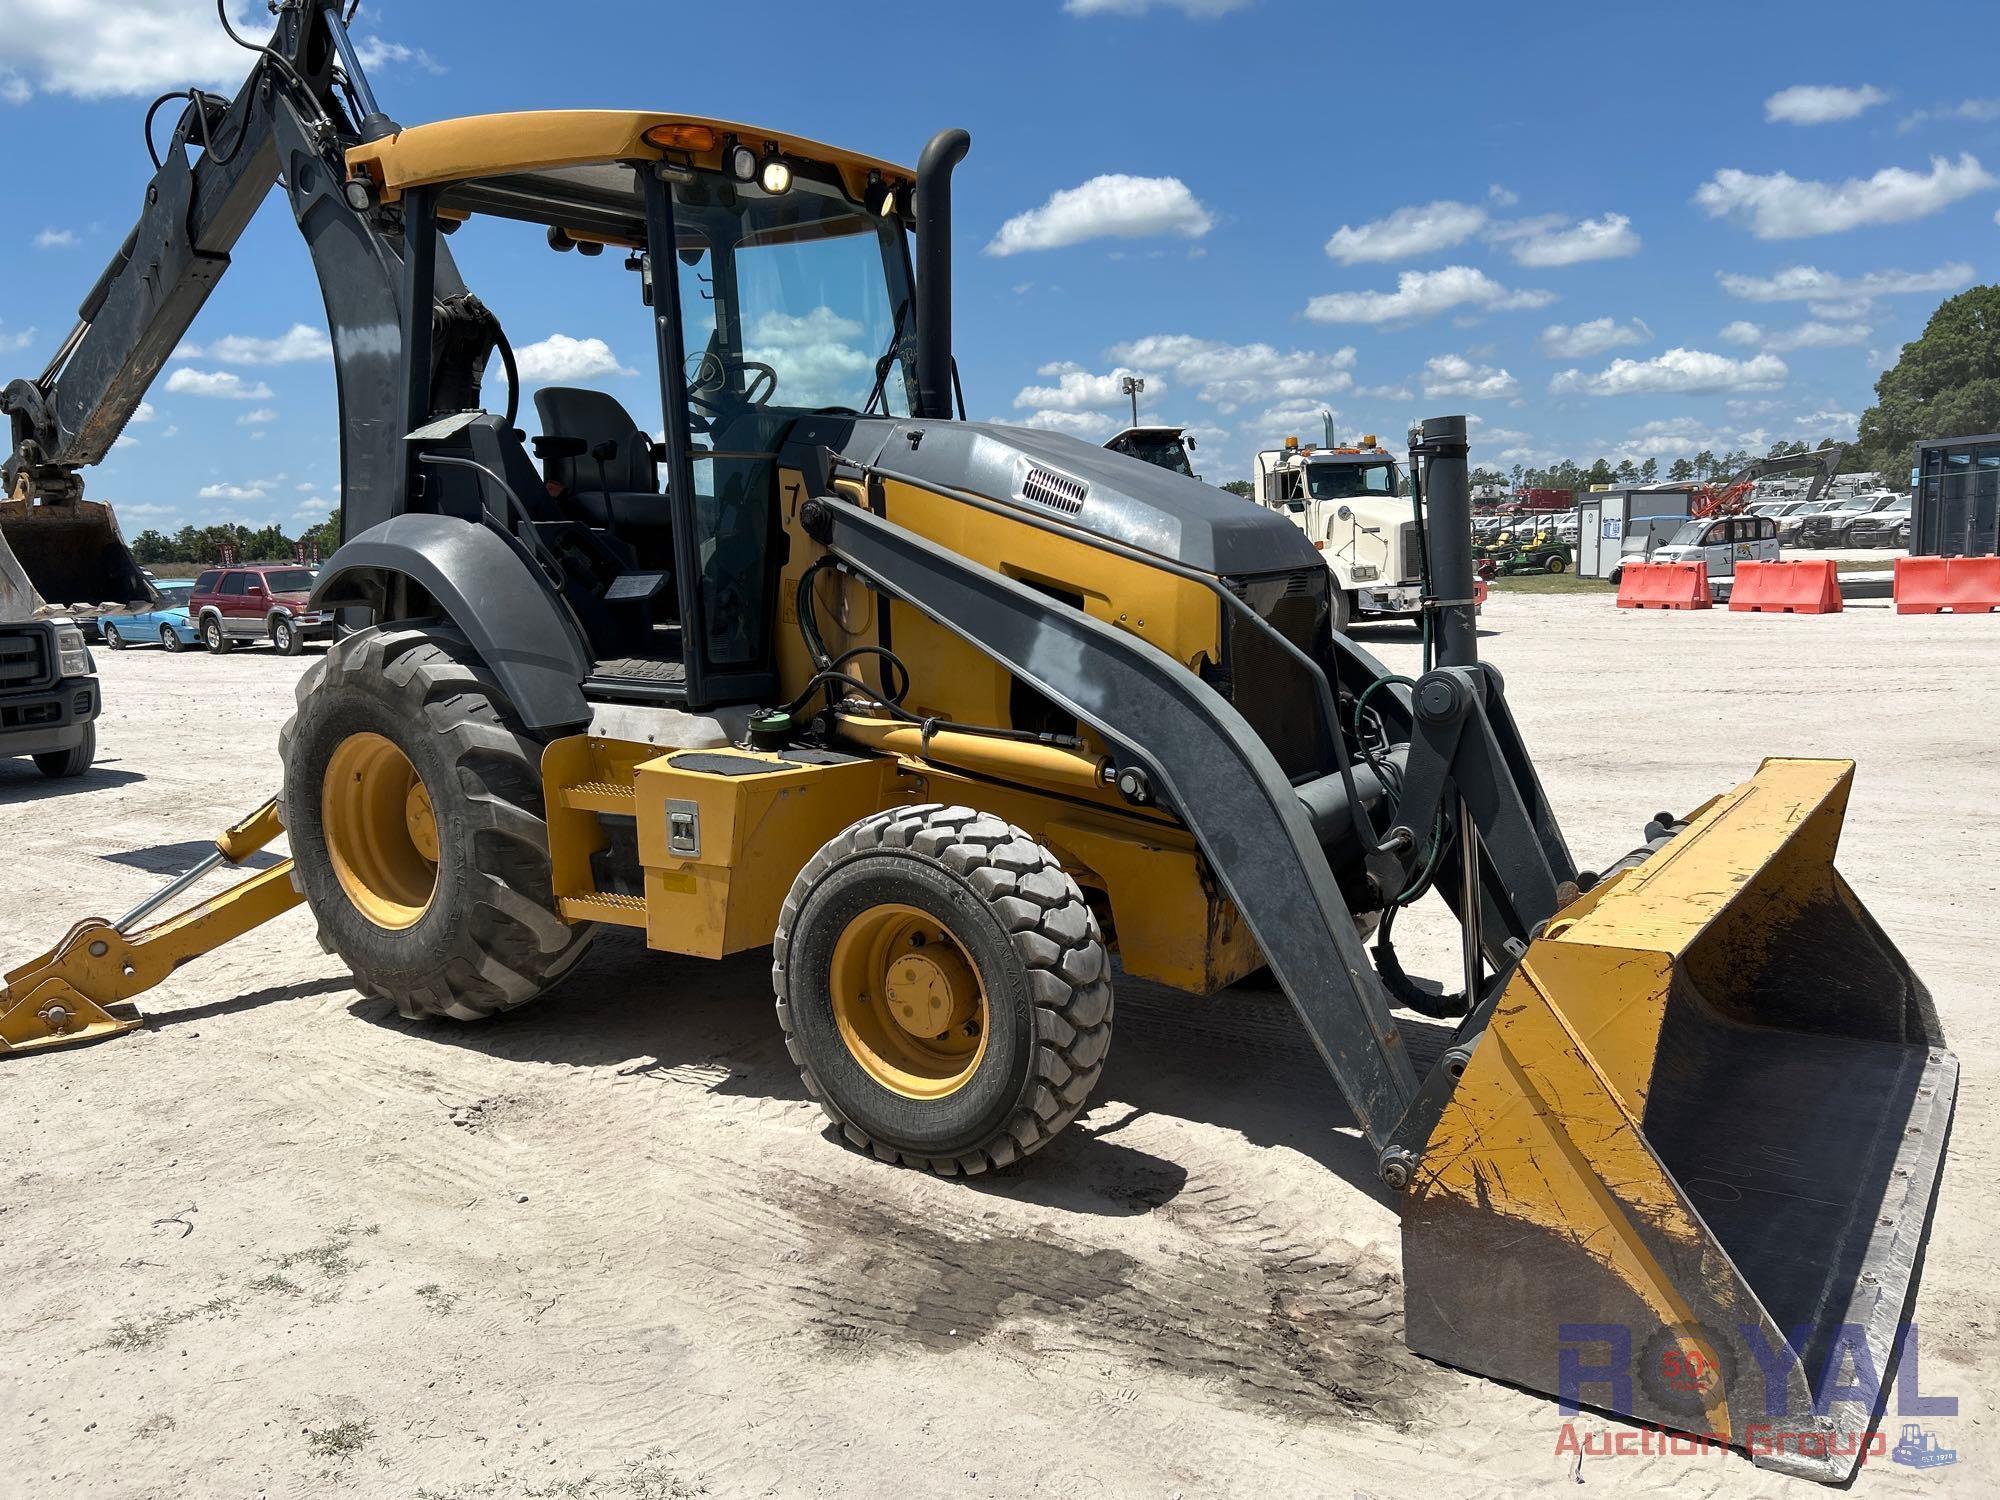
(1681, 371)
(1424, 294)
(1420, 229)
(295, 345)
(1820, 103)
(224, 385)
(1813, 334)
(1832, 295)
(1092, 427)
(256, 489)
(1782, 207)
(258, 418)
(55, 239)
(560, 357)
(1455, 375)
(10, 342)
(96, 48)
(1077, 389)
(1114, 206)
(1554, 241)
(1581, 340)
(1234, 375)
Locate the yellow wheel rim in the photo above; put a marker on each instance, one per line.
(908, 1002)
(381, 836)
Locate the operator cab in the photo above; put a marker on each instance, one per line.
(764, 278)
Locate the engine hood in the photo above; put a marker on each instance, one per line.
(1049, 476)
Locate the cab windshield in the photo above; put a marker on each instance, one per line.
(1162, 450)
(1346, 481)
(1689, 535)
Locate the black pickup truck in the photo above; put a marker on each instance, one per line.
(48, 695)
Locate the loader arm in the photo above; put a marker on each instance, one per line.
(1201, 759)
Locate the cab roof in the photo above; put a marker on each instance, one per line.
(540, 141)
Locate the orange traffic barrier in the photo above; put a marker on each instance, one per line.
(1670, 585)
(1790, 588)
(1932, 585)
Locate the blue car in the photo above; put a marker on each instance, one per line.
(168, 624)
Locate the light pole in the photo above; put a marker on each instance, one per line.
(1132, 385)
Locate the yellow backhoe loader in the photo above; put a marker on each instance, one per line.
(947, 714)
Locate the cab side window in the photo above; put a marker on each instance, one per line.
(233, 583)
(1767, 529)
(1716, 535)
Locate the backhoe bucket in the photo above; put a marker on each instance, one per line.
(1688, 1168)
(65, 557)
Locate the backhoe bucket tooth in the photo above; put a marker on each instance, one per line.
(1689, 1166)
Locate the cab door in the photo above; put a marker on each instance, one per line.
(1717, 552)
(1762, 541)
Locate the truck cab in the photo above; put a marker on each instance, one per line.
(1169, 448)
(1349, 503)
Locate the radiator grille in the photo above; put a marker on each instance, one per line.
(1413, 554)
(24, 659)
(1056, 491)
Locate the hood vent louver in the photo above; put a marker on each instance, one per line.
(1056, 491)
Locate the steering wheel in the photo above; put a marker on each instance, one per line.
(709, 375)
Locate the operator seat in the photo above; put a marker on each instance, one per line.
(605, 466)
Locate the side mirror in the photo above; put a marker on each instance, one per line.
(1346, 513)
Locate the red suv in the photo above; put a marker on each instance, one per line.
(257, 602)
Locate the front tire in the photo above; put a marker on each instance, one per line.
(58, 764)
(285, 636)
(170, 638)
(113, 641)
(215, 637)
(413, 799)
(943, 988)
(1343, 608)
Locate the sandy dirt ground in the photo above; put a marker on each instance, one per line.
(281, 1242)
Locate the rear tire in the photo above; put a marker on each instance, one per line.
(1557, 563)
(57, 764)
(437, 897)
(983, 910)
(215, 637)
(1343, 608)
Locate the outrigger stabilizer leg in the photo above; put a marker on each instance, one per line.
(82, 989)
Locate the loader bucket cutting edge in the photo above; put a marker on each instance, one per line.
(1687, 1172)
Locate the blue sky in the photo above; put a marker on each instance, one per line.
(1602, 229)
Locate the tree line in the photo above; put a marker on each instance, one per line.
(1704, 467)
(202, 545)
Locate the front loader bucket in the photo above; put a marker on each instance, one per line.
(1689, 1165)
(64, 557)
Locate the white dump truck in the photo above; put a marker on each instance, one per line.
(1351, 503)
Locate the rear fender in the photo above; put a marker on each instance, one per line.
(468, 574)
